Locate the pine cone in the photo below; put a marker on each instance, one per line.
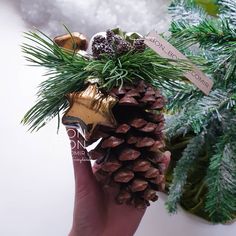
(123, 47)
(101, 46)
(118, 39)
(131, 154)
(139, 45)
(110, 36)
(114, 44)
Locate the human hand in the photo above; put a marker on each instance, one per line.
(95, 211)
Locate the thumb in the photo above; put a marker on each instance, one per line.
(84, 178)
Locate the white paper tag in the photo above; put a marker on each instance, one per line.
(166, 50)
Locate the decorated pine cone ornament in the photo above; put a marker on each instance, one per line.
(113, 97)
(131, 152)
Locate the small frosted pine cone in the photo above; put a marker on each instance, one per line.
(110, 36)
(111, 45)
(123, 47)
(139, 45)
(101, 46)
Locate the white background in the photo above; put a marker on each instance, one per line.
(36, 178)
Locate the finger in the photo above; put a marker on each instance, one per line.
(84, 177)
(164, 166)
(165, 161)
(119, 220)
(167, 157)
(96, 167)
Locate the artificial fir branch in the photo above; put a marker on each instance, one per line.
(187, 11)
(194, 191)
(228, 10)
(218, 37)
(183, 97)
(218, 44)
(221, 181)
(215, 40)
(197, 116)
(190, 154)
(207, 109)
(207, 32)
(176, 126)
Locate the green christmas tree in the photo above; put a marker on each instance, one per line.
(201, 132)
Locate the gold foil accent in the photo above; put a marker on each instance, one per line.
(75, 43)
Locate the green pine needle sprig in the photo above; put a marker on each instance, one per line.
(68, 72)
(65, 72)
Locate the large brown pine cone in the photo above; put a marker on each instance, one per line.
(132, 154)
